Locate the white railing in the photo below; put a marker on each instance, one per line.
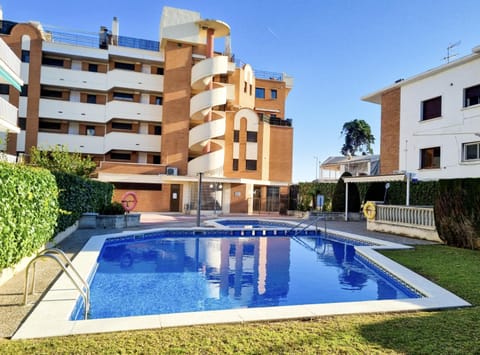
(406, 215)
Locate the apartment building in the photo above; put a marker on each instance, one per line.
(430, 123)
(158, 116)
(9, 80)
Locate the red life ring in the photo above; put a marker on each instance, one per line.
(129, 201)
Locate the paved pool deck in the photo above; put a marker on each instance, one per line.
(13, 312)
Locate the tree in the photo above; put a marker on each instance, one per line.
(358, 137)
(61, 160)
(338, 202)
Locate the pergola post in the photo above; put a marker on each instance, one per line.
(346, 201)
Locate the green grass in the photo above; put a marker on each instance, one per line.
(442, 332)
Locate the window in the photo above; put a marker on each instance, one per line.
(55, 62)
(90, 130)
(432, 108)
(251, 164)
(124, 66)
(430, 158)
(160, 71)
(122, 126)
(245, 87)
(122, 96)
(24, 91)
(50, 93)
(120, 156)
(472, 96)
(236, 136)
(4, 89)
(260, 93)
(22, 123)
(156, 159)
(273, 94)
(93, 67)
(235, 165)
(49, 125)
(159, 100)
(251, 136)
(25, 56)
(91, 99)
(157, 130)
(471, 151)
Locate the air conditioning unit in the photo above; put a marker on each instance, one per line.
(172, 170)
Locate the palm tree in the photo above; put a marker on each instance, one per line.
(358, 137)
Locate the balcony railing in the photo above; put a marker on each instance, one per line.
(406, 215)
(276, 121)
(94, 40)
(6, 26)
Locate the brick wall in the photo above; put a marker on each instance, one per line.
(390, 132)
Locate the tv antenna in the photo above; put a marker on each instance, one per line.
(449, 49)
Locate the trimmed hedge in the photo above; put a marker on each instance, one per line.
(338, 202)
(422, 193)
(308, 191)
(28, 211)
(457, 212)
(78, 195)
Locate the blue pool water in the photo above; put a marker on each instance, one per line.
(252, 223)
(161, 274)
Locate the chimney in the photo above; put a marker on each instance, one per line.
(115, 31)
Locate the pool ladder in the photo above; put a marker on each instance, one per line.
(67, 266)
(318, 218)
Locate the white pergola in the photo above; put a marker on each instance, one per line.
(376, 178)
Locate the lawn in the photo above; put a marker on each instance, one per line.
(442, 332)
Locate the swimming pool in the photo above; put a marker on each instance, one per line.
(160, 275)
(52, 315)
(251, 223)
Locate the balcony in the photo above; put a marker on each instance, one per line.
(73, 111)
(77, 79)
(9, 67)
(132, 141)
(73, 142)
(134, 80)
(133, 111)
(8, 117)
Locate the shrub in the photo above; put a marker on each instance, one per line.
(456, 211)
(112, 209)
(307, 193)
(78, 195)
(59, 159)
(338, 202)
(375, 192)
(28, 211)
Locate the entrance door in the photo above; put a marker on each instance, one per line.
(175, 198)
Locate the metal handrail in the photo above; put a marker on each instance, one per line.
(53, 253)
(308, 225)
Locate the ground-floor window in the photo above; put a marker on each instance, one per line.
(430, 158)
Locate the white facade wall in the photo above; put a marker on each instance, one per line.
(456, 126)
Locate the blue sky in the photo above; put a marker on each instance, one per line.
(336, 50)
